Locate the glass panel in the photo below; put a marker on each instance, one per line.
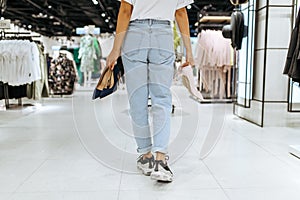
(245, 58)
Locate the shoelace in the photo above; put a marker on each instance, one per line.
(150, 160)
(162, 163)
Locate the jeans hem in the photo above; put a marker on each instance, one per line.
(160, 150)
(144, 150)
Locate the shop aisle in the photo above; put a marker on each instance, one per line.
(42, 154)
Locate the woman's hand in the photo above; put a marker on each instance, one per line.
(112, 58)
(190, 58)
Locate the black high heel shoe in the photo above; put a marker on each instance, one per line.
(108, 81)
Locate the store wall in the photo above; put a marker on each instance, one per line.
(273, 25)
(49, 43)
(272, 40)
(52, 44)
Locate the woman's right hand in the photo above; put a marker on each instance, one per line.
(190, 58)
(112, 58)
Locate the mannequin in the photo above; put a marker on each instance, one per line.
(87, 53)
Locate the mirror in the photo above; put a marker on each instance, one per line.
(245, 58)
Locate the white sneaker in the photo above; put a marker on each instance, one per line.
(146, 165)
(162, 172)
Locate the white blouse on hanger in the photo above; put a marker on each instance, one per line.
(19, 62)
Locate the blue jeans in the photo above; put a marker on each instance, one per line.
(148, 58)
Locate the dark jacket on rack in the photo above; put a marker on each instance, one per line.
(292, 64)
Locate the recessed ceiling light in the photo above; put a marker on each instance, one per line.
(95, 2)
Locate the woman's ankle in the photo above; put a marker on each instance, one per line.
(160, 156)
(148, 155)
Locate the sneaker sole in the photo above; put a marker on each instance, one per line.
(162, 177)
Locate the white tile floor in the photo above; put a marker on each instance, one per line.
(46, 153)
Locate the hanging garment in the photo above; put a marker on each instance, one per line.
(213, 56)
(40, 88)
(87, 53)
(212, 49)
(292, 64)
(97, 62)
(14, 92)
(19, 62)
(75, 52)
(62, 76)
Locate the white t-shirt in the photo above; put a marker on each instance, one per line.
(156, 9)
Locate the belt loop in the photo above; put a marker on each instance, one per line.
(150, 22)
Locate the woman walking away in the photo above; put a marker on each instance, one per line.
(145, 40)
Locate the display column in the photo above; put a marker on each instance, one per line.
(274, 21)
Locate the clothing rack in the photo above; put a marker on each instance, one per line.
(213, 22)
(215, 19)
(210, 27)
(16, 36)
(217, 23)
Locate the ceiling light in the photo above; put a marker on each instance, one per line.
(49, 6)
(95, 2)
(103, 14)
(51, 17)
(189, 7)
(107, 20)
(29, 26)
